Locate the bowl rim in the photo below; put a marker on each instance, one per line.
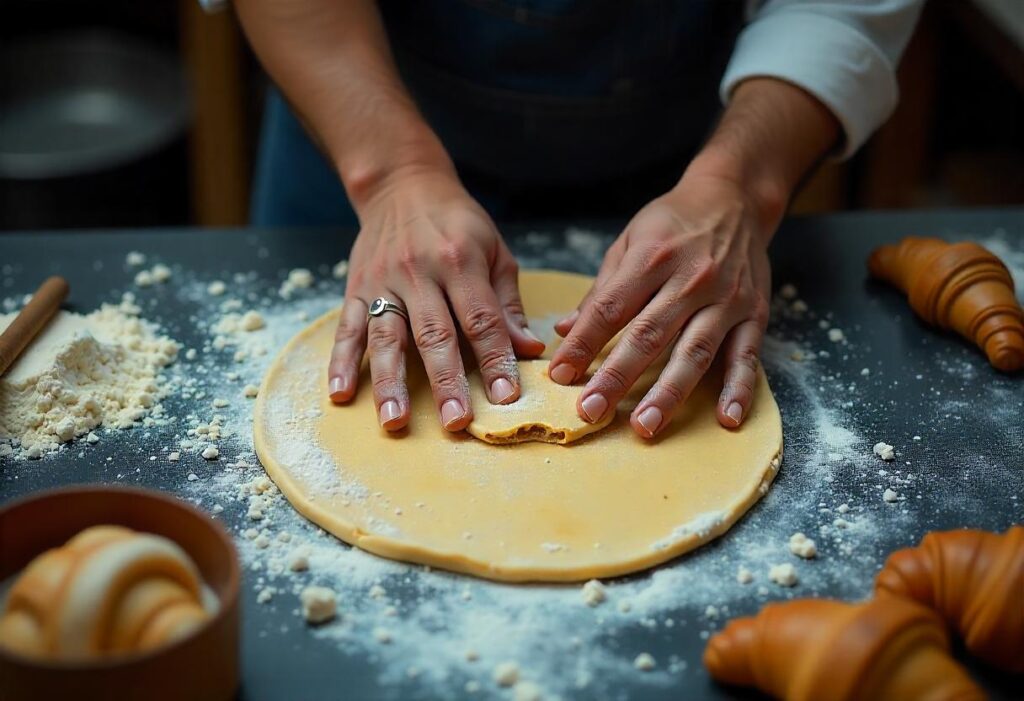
(228, 602)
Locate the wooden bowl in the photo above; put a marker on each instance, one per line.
(202, 666)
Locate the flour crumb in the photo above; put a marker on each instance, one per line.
(788, 291)
(835, 335)
(251, 391)
(506, 674)
(527, 691)
(382, 635)
(744, 576)
(174, 456)
(884, 451)
(319, 604)
(340, 269)
(91, 438)
(265, 595)
(161, 273)
(645, 662)
(784, 575)
(210, 452)
(299, 278)
(192, 477)
(251, 321)
(593, 593)
(802, 546)
(843, 508)
(135, 259)
(216, 288)
(890, 496)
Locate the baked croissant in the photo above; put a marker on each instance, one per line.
(107, 590)
(975, 581)
(814, 649)
(959, 286)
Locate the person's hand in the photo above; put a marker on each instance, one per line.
(427, 246)
(690, 272)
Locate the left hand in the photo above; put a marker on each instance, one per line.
(690, 271)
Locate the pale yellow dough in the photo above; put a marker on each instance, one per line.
(544, 411)
(605, 506)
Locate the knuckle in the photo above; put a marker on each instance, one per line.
(481, 323)
(746, 357)
(660, 255)
(699, 351)
(646, 338)
(495, 359)
(347, 330)
(383, 337)
(577, 350)
(612, 379)
(433, 335)
(672, 389)
(447, 381)
(759, 310)
(703, 274)
(609, 309)
(454, 256)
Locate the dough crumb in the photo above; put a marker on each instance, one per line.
(506, 674)
(798, 306)
(251, 321)
(835, 335)
(625, 606)
(593, 593)
(251, 391)
(377, 592)
(299, 561)
(319, 604)
(192, 477)
(890, 496)
(382, 636)
(340, 269)
(784, 575)
(843, 508)
(788, 291)
(210, 453)
(472, 686)
(91, 438)
(744, 576)
(802, 546)
(884, 451)
(135, 259)
(265, 595)
(711, 612)
(472, 655)
(161, 273)
(216, 288)
(644, 662)
(143, 278)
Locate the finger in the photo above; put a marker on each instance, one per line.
(642, 343)
(610, 308)
(437, 341)
(741, 351)
(387, 336)
(505, 280)
(609, 265)
(479, 315)
(347, 352)
(691, 358)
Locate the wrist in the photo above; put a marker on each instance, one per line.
(381, 164)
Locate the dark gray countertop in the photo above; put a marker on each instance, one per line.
(968, 464)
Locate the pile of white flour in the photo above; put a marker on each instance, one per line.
(82, 372)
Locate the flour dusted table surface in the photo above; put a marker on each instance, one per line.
(955, 424)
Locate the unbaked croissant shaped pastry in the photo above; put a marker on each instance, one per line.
(958, 286)
(816, 649)
(107, 590)
(975, 581)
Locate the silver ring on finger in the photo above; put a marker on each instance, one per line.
(381, 306)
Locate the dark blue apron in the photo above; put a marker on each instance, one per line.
(548, 107)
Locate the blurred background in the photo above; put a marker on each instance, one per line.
(147, 114)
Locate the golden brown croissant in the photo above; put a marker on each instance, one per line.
(958, 286)
(107, 590)
(975, 581)
(815, 649)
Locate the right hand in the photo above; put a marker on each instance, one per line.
(427, 246)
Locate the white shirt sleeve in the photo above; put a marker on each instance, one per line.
(844, 52)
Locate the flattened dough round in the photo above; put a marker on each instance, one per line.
(544, 412)
(606, 506)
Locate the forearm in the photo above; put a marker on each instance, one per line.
(770, 136)
(332, 61)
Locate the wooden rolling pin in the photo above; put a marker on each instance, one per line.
(32, 320)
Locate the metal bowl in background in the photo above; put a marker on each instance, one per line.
(82, 103)
(92, 127)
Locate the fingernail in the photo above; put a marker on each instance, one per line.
(650, 418)
(531, 335)
(389, 411)
(563, 374)
(338, 385)
(451, 411)
(735, 412)
(594, 407)
(501, 390)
